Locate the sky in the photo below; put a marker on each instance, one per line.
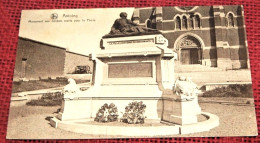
(77, 30)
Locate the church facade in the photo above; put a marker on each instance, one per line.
(212, 36)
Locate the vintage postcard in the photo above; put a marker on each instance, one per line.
(180, 71)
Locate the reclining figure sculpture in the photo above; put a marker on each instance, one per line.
(126, 27)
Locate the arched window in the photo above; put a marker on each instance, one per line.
(184, 23)
(178, 23)
(231, 20)
(149, 24)
(197, 21)
(192, 22)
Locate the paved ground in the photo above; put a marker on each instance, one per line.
(237, 118)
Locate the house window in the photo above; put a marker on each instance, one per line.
(23, 68)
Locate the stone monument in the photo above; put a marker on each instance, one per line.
(134, 63)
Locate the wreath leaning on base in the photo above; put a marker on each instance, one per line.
(134, 113)
(107, 113)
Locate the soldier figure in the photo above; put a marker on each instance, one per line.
(125, 26)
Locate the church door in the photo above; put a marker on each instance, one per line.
(185, 56)
(189, 56)
(194, 56)
(189, 51)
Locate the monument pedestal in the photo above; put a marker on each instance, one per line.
(87, 105)
(181, 110)
(126, 69)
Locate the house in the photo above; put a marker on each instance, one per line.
(37, 60)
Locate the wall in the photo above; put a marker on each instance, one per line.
(235, 36)
(42, 60)
(73, 60)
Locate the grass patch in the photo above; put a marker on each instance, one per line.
(235, 90)
(47, 99)
(25, 111)
(21, 86)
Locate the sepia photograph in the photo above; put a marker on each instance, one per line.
(146, 72)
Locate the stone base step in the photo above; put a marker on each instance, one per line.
(203, 78)
(194, 68)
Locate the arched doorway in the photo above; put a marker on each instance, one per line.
(189, 50)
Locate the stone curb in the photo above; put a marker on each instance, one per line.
(80, 126)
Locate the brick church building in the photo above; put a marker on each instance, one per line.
(212, 36)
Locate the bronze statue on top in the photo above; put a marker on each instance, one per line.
(126, 27)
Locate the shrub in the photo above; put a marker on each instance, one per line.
(134, 113)
(235, 90)
(48, 99)
(107, 113)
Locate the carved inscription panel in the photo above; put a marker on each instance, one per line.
(129, 70)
